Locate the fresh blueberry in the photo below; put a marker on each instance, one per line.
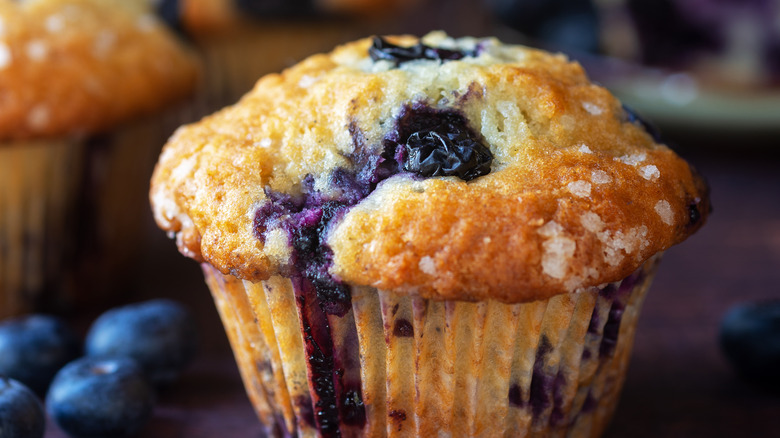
(34, 347)
(750, 338)
(159, 334)
(381, 49)
(21, 414)
(100, 397)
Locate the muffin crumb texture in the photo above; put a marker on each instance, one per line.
(365, 169)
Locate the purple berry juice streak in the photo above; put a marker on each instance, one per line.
(541, 383)
(318, 346)
(557, 415)
(516, 395)
(346, 359)
(619, 299)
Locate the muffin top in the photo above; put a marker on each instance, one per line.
(445, 168)
(81, 66)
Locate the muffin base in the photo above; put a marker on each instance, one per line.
(399, 366)
(72, 214)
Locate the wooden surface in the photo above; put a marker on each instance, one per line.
(678, 385)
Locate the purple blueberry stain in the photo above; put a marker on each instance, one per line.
(619, 297)
(515, 395)
(318, 346)
(381, 49)
(586, 354)
(557, 415)
(305, 407)
(353, 411)
(593, 325)
(541, 382)
(398, 416)
(403, 328)
(611, 330)
(590, 403)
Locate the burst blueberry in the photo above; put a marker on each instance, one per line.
(21, 414)
(439, 142)
(159, 334)
(430, 153)
(34, 347)
(750, 338)
(101, 397)
(381, 49)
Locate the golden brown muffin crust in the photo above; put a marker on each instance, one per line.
(80, 66)
(578, 194)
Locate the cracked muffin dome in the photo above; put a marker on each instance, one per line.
(82, 66)
(459, 169)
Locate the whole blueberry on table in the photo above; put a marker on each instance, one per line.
(159, 334)
(101, 397)
(34, 347)
(750, 338)
(21, 414)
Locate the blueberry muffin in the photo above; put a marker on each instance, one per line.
(428, 237)
(77, 76)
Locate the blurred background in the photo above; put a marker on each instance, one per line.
(705, 72)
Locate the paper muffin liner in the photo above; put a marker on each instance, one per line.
(399, 366)
(74, 214)
(112, 205)
(39, 181)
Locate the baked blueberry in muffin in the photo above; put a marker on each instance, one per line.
(410, 237)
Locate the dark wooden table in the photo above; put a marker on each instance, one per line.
(678, 385)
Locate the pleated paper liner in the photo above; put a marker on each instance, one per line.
(400, 366)
(38, 190)
(74, 214)
(112, 208)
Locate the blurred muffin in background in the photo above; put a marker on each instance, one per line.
(242, 40)
(731, 44)
(722, 44)
(84, 84)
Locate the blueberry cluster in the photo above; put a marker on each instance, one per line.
(109, 392)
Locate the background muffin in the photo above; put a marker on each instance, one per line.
(241, 41)
(78, 78)
(409, 237)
